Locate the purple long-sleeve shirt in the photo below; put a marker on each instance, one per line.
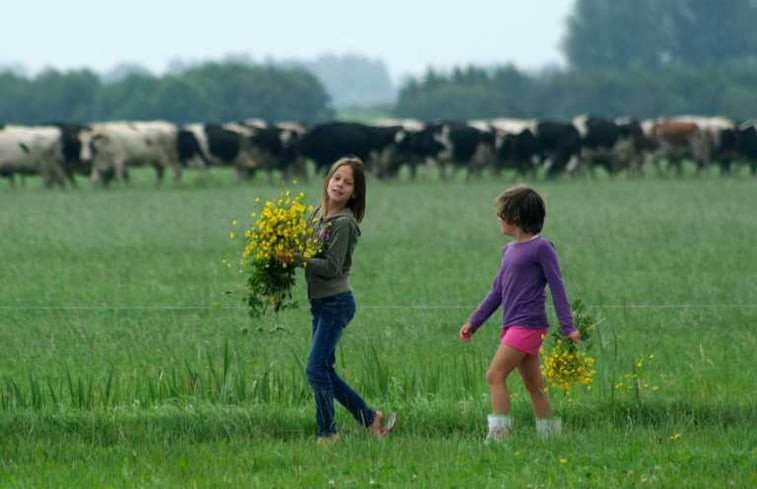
(519, 287)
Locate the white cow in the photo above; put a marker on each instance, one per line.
(32, 150)
(119, 145)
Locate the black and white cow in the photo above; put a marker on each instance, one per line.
(275, 145)
(246, 146)
(202, 145)
(327, 142)
(517, 147)
(77, 151)
(525, 145)
(393, 156)
(614, 145)
(747, 144)
(559, 145)
(452, 145)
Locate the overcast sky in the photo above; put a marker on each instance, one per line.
(407, 35)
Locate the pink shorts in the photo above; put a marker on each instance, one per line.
(523, 338)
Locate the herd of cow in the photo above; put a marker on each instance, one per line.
(105, 151)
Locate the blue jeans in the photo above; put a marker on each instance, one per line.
(330, 317)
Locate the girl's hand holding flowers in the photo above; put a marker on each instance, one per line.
(565, 364)
(574, 336)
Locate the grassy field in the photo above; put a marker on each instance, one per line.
(129, 361)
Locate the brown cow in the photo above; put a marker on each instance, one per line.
(675, 140)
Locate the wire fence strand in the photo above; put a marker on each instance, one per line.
(201, 307)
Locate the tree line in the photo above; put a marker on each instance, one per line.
(209, 92)
(472, 93)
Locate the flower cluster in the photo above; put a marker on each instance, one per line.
(567, 364)
(279, 233)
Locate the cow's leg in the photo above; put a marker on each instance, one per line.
(675, 165)
(159, 172)
(71, 178)
(52, 171)
(95, 176)
(444, 170)
(120, 170)
(559, 161)
(47, 181)
(46, 173)
(700, 166)
(725, 166)
(176, 173)
(469, 168)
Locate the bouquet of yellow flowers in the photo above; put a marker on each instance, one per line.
(567, 364)
(280, 231)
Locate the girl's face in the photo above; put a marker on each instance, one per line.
(341, 187)
(506, 228)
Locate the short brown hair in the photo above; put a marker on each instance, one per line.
(522, 206)
(357, 202)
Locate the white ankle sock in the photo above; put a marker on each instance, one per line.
(548, 426)
(500, 426)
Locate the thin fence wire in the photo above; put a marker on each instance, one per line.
(201, 307)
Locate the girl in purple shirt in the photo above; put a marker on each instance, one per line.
(529, 263)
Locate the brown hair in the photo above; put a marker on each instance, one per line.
(522, 206)
(357, 201)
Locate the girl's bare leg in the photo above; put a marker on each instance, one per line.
(534, 382)
(505, 360)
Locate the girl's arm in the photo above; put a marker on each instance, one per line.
(551, 267)
(489, 304)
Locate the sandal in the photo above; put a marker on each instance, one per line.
(389, 426)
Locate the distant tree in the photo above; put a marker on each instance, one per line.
(353, 80)
(54, 95)
(655, 33)
(712, 32)
(15, 90)
(621, 33)
(123, 70)
(16, 69)
(466, 93)
(181, 100)
(240, 91)
(125, 99)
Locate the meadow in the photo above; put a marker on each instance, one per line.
(129, 360)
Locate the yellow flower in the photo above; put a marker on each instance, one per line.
(279, 231)
(564, 366)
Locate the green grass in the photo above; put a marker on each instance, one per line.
(129, 361)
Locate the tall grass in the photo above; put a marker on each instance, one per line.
(122, 332)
